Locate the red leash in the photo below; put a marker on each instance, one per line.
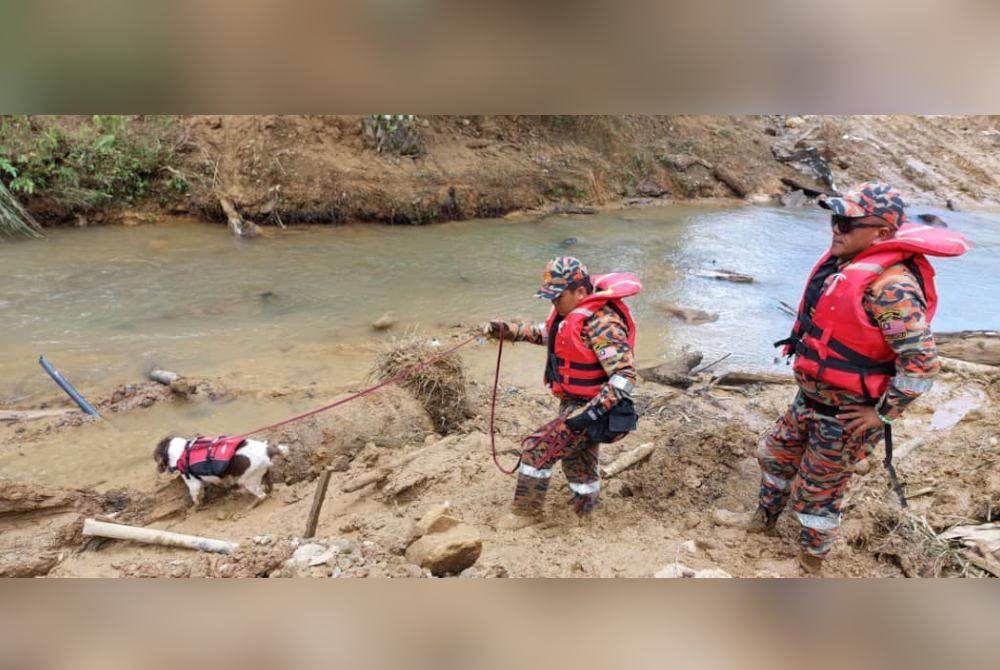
(368, 391)
(546, 437)
(493, 411)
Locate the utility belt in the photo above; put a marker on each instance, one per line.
(834, 410)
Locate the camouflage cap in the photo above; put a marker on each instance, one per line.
(559, 274)
(869, 199)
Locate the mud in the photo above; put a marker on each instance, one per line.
(655, 514)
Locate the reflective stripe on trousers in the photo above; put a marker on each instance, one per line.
(586, 488)
(537, 473)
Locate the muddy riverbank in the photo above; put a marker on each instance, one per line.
(279, 170)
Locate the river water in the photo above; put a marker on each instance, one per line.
(105, 303)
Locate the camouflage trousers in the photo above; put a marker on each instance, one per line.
(807, 459)
(579, 464)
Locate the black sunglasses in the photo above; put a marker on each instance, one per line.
(845, 224)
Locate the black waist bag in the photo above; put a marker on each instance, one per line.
(615, 424)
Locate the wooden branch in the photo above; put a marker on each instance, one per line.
(116, 531)
(628, 459)
(237, 224)
(738, 378)
(318, 498)
(32, 414)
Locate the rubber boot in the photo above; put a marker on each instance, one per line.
(526, 509)
(811, 565)
(763, 522)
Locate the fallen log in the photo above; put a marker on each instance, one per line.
(628, 459)
(966, 368)
(14, 415)
(115, 531)
(738, 378)
(973, 346)
(732, 180)
(687, 314)
(725, 275)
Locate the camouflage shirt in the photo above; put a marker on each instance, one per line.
(895, 303)
(607, 337)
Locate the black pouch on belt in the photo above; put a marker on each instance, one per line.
(615, 424)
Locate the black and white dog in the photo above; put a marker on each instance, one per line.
(229, 461)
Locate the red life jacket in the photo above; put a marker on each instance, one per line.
(572, 368)
(833, 339)
(208, 456)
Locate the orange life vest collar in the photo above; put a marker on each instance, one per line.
(833, 340)
(573, 369)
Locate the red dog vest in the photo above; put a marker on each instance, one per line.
(208, 456)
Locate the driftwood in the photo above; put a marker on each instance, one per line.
(966, 368)
(974, 346)
(732, 180)
(675, 371)
(237, 224)
(686, 314)
(725, 275)
(900, 453)
(32, 414)
(985, 536)
(628, 459)
(318, 498)
(115, 531)
(738, 378)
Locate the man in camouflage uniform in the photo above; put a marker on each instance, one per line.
(567, 283)
(808, 457)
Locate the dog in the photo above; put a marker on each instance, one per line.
(219, 461)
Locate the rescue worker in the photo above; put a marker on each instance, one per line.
(863, 352)
(590, 335)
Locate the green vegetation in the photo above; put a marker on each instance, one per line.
(14, 219)
(81, 165)
(394, 133)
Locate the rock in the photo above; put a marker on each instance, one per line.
(690, 547)
(712, 573)
(767, 574)
(674, 571)
(434, 520)
(262, 540)
(794, 121)
(482, 572)
(724, 517)
(341, 464)
(571, 242)
(446, 552)
(305, 558)
(793, 199)
(384, 322)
